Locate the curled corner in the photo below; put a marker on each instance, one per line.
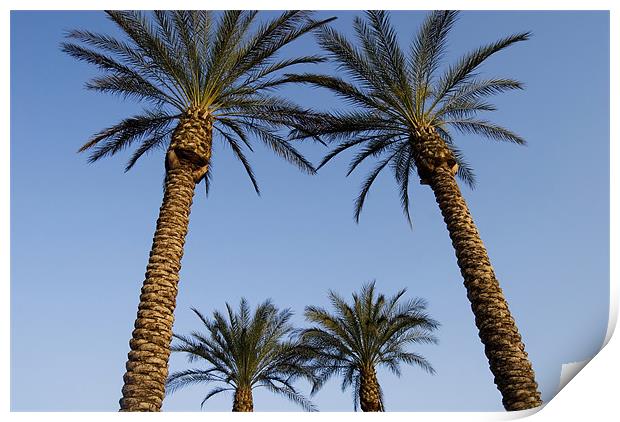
(569, 370)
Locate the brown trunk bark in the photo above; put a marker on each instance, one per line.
(243, 400)
(370, 392)
(503, 347)
(147, 363)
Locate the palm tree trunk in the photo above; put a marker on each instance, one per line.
(370, 392)
(243, 401)
(147, 364)
(503, 347)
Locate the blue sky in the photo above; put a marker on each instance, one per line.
(80, 234)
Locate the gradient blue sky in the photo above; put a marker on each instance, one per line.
(80, 233)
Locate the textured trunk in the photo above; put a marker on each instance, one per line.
(498, 332)
(505, 351)
(147, 364)
(370, 392)
(243, 400)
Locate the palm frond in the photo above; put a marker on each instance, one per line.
(374, 148)
(485, 128)
(366, 185)
(291, 394)
(241, 157)
(464, 172)
(403, 166)
(185, 378)
(390, 52)
(340, 87)
(158, 140)
(208, 179)
(120, 136)
(269, 39)
(212, 393)
(281, 147)
(427, 51)
(165, 57)
(349, 58)
(462, 72)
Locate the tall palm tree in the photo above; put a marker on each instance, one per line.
(405, 108)
(357, 338)
(205, 78)
(244, 352)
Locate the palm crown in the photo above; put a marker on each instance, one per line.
(372, 331)
(245, 351)
(179, 60)
(398, 96)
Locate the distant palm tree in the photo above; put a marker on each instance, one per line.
(201, 76)
(244, 352)
(359, 337)
(403, 112)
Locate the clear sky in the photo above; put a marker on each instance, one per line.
(80, 233)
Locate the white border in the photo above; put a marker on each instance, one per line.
(589, 396)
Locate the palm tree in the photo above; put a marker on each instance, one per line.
(204, 78)
(244, 352)
(404, 111)
(357, 338)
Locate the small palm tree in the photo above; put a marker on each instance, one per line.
(205, 79)
(403, 116)
(244, 352)
(371, 332)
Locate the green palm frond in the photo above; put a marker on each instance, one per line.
(366, 185)
(467, 96)
(372, 330)
(394, 95)
(462, 73)
(290, 393)
(403, 166)
(387, 52)
(157, 140)
(234, 145)
(212, 393)
(228, 63)
(487, 129)
(120, 136)
(345, 90)
(427, 51)
(189, 377)
(245, 348)
(374, 147)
